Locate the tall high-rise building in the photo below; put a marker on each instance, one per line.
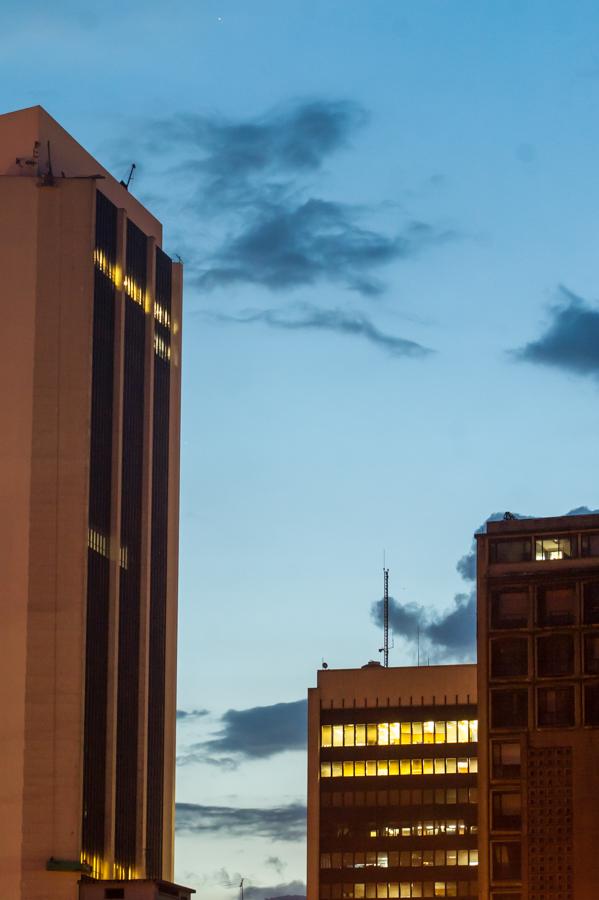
(538, 692)
(90, 313)
(392, 783)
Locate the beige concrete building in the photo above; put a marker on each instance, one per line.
(90, 308)
(538, 677)
(392, 783)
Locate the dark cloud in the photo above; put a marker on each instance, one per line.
(188, 714)
(256, 733)
(571, 342)
(283, 246)
(278, 823)
(308, 317)
(276, 863)
(452, 633)
(293, 890)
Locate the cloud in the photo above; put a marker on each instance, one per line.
(285, 246)
(571, 342)
(276, 863)
(189, 714)
(305, 316)
(292, 890)
(237, 161)
(452, 633)
(277, 823)
(256, 733)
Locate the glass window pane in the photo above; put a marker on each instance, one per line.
(394, 732)
(382, 767)
(589, 544)
(463, 731)
(394, 889)
(506, 807)
(439, 857)
(473, 729)
(382, 859)
(591, 704)
(427, 767)
(506, 861)
(506, 759)
(325, 770)
(337, 735)
(337, 770)
(383, 733)
(555, 655)
(555, 706)
(452, 732)
(509, 708)
(462, 857)
(450, 765)
(451, 796)
(371, 735)
(326, 736)
(393, 767)
(555, 548)
(509, 608)
(360, 736)
(428, 858)
(371, 767)
(556, 605)
(439, 732)
(404, 766)
(381, 889)
(416, 859)
(348, 768)
(416, 767)
(509, 657)
(473, 765)
(452, 857)
(404, 889)
(439, 766)
(591, 603)
(511, 551)
(416, 732)
(429, 732)
(462, 766)
(406, 732)
(359, 768)
(358, 891)
(348, 735)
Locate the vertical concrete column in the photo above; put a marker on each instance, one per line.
(146, 556)
(170, 673)
(313, 835)
(115, 537)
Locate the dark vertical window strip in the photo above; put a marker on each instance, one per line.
(164, 269)
(106, 215)
(136, 263)
(96, 657)
(158, 618)
(130, 583)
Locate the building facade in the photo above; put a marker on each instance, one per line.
(392, 783)
(89, 482)
(538, 677)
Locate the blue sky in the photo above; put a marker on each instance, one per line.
(388, 212)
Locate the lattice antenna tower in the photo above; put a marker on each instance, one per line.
(385, 617)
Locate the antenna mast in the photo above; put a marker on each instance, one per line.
(386, 618)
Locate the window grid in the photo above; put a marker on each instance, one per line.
(382, 734)
(360, 768)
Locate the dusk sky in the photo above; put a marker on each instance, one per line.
(388, 213)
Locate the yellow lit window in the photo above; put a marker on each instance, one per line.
(450, 765)
(416, 732)
(382, 767)
(383, 733)
(371, 735)
(463, 732)
(359, 768)
(473, 764)
(371, 890)
(416, 767)
(473, 725)
(393, 889)
(429, 831)
(358, 891)
(439, 766)
(394, 732)
(337, 770)
(371, 766)
(462, 766)
(374, 833)
(337, 735)
(439, 857)
(360, 736)
(382, 859)
(429, 732)
(451, 889)
(452, 858)
(451, 732)
(404, 889)
(326, 736)
(381, 890)
(473, 861)
(348, 769)
(427, 767)
(428, 858)
(325, 770)
(393, 767)
(348, 735)
(404, 766)
(439, 732)
(439, 889)
(406, 732)
(417, 889)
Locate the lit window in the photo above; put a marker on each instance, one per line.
(382, 859)
(439, 732)
(325, 770)
(450, 766)
(383, 733)
(473, 861)
(429, 732)
(358, 891)
(555, 548)
(462, 766)
(416, 732)
(428, 858)
(394, 733)
(348, 735)
(359, 768)
(337, 735)
(348, 769)
(427, 767)
(473, 730)
(326, 736)
(473, 765)
(404, 766)
(371, 766)
(371, 735)
(406, 732)
(337, 768)
(393, 889)
(416, 767)
(439, 765)
(452, 732)
(440, 889)
(360, 735)
(393, 767)
(382, 767)
(463, 731)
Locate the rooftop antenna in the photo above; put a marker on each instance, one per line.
(385, 617)
(241, 889)
(129, 177)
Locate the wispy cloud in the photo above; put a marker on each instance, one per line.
(278, 823)
(291, 890)
(571, 341)
(187, 715)
(256, 733)
(451, 634)
(306, 316)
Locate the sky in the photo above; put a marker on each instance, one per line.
(388, 213)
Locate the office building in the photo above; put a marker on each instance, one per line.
(392, 783)
(538, 691)
(90, 307)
